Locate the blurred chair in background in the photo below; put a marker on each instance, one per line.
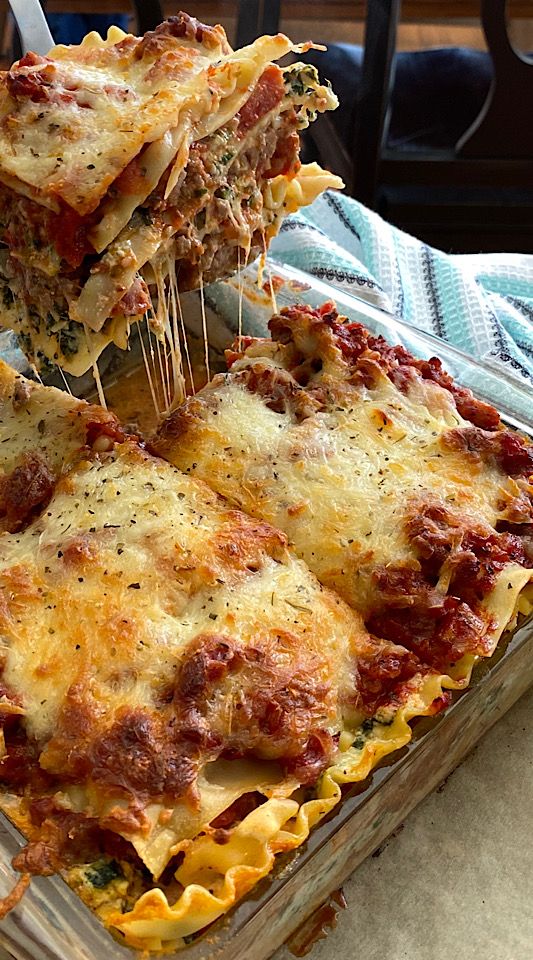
(439, 141)
(255, 18)
(72, 27)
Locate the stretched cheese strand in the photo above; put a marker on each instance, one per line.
(176, 298)
(148, 372)
(95, 370)
(241, 283)
(179, 391)
(269, 272)
(204, 330)
(162, 324)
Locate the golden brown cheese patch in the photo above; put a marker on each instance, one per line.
(167, 660)
(145, 619)
(365, 458)
(37, 437)
(134, 559)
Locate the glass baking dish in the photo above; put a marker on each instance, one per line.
(51, 923)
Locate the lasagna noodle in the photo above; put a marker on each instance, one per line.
(103, 102)
(48, 343)
(137, 245)
(103, 136)
(370, 476)
(118, 212)
(132, 596)
(233, 78)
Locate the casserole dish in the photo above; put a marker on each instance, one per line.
(369, 811)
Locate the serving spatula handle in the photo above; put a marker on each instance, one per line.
(34, 31)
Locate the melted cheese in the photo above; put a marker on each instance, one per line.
(73, 122)
(139, 519)
(49, 421)
(104, 594)
(342, 483)
(105, 101)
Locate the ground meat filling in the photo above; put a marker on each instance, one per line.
(358, 346)
(221, 198)
(217, 207)
(441, 627)
(25, 491)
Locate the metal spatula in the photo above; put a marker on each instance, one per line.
(33, 28)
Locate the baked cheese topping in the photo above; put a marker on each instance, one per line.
(178, 690)
(418, 517)
(118, 156)
(100, 102)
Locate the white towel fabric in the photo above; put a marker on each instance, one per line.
(482, 303)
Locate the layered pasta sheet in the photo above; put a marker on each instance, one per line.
(126, 159)
(399, 489)
(181, 699)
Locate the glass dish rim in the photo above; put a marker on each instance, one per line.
(221, 934)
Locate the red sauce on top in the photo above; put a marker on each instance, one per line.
(508, 450)
(68, 232)
(25, 491)
(267, 93)
(355, 343)
(381, 674)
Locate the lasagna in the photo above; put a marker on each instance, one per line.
(129, 160)
(399, 489)
(180, 698)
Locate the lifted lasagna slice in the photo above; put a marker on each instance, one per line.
(399, 489)
(180, 698)
(124, 159)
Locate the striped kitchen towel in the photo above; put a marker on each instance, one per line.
(481, 303)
